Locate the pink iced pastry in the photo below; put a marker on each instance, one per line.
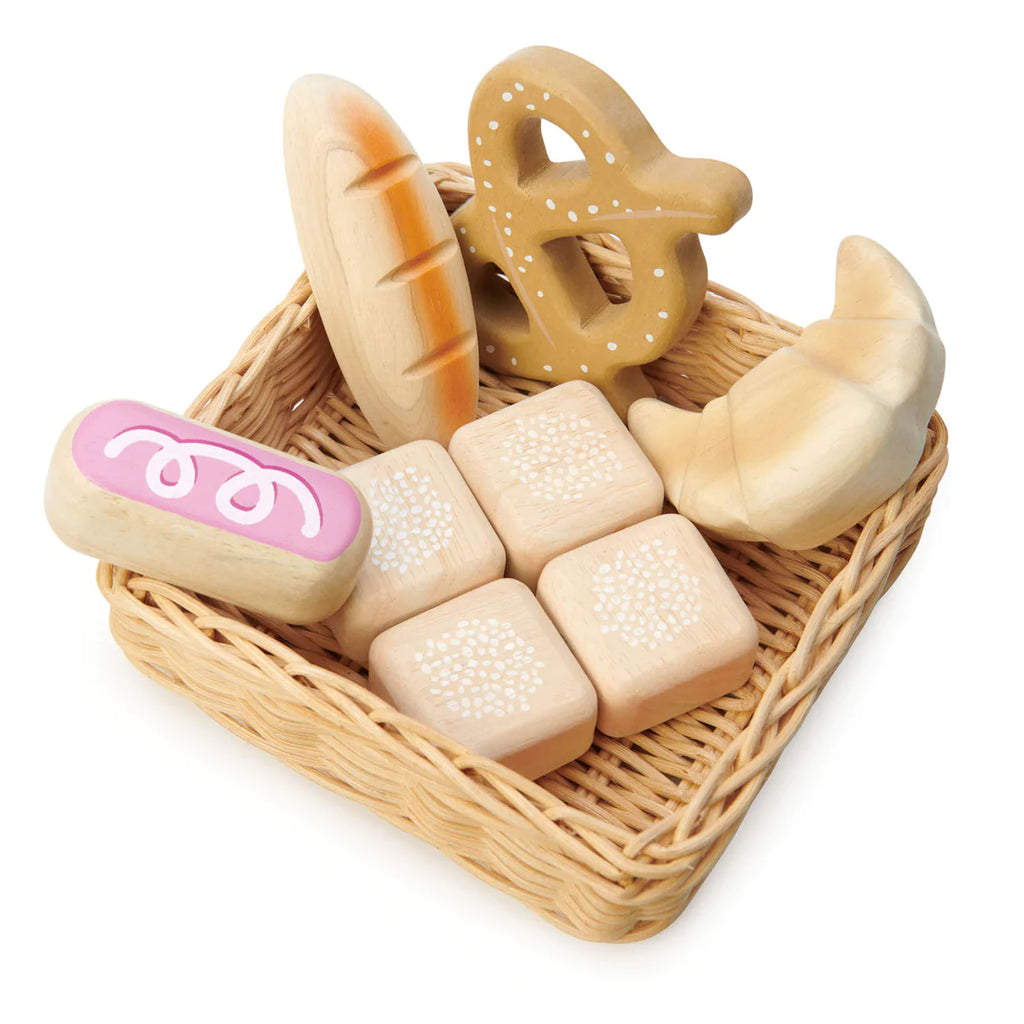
(209, 511)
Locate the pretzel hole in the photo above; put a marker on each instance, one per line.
(559, 145)
(606, 253)
(495, 290)
(543, 150)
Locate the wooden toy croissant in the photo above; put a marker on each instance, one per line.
(812, 439)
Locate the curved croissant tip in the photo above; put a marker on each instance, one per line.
(646, 420)
(667, 436)
(871, 284)
(636, 409)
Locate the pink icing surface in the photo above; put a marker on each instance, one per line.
(217, 479)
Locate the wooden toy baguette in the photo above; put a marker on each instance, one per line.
(208, 511)
(383, 263)
(813, 438)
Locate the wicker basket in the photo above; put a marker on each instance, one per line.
(613, 846)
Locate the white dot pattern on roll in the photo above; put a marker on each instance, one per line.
(547, 368)
(488, 348)
(493, 125)
(530, 106)
(659, 272)
(550, 203)
(540, 295)
(559, 456)
(487, 163)
(663, 314)
(481, 668)
(487, 184)
(507, 97)
(479, 141)
(411, 523)
(493, 209)
(649, 337)
(547, 96)
(646, 597)
(610, 157)
(508, 231)
(519, 86)
(612, 346)
(586, 133)
(584, 368)
(572, 216)
(529, 259)
(591, 208)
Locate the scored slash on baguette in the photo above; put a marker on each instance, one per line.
(422, 262)
(380, 179)
(439, 357)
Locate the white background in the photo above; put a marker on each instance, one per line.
(156, 868)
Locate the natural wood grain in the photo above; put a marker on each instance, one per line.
(383, 262)
(431, 542)
(236, 551)
(491, 671)
(811, 439)
(654, 621)
(555, 471)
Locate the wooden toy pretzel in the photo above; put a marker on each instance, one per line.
(541, 312)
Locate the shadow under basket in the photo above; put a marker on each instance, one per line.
(613, 846)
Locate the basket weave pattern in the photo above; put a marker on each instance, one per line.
(613, 846)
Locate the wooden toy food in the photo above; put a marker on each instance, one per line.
(431, 542)
(203, 509)
(555, 471)
(817, 435)
(541, 313)
(491, 671)
(382, 261)
(654, 621)
(612, 847)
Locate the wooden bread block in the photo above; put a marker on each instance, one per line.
(383, 262)
(555, 471)
(489, 670)
(206, 510)
(431, 542)
(809, 441)
(654, 621)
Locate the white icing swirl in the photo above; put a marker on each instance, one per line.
(250, 474)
